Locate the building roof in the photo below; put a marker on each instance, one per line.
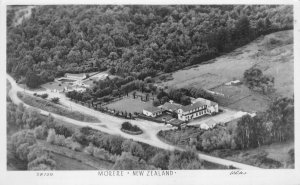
(192, 106)
(171, 106)
(211, 123)
(213, 103)
(204, 101)
(76, 75)
(152, 109)
(199, 102)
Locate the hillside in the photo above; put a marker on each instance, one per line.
(136, 41)
(273, 54)
(273, 59)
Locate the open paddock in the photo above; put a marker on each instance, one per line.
(276, 60)
(59, 86)
(241, 98)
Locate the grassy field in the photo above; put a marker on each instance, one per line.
(241, 98)
(130, 105)
(55, 108)
(55, 85)
(273, 54)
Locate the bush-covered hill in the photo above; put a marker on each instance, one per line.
(133, 40)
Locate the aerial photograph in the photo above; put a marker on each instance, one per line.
(149, 87)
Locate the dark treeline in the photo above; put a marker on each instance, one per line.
(274, 125)
(133, 39)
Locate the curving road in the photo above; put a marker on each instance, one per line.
(111, 125)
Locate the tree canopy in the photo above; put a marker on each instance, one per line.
(131, 39)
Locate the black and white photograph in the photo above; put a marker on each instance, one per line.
(156, 88)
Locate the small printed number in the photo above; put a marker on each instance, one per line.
(44, 174)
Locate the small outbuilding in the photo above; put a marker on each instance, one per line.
(234, 82)
(209, 124)
(152, 111)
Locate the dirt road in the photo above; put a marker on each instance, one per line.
(111, 125)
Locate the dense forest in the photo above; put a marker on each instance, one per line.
(137, 41)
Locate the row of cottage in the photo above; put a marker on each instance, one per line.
(197, 108)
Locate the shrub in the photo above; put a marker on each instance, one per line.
(40, 132)
(126, 145)
(257, 81)
(128, 126)
(89, 149)
(113, 157)
(55, 100)
(184, 160)
(42, 163)
(35, 152)
(128, 162)
(44, 96)
(73, 145)
(60, 140)
(160, 160)
(115, 144)
(51, 136)
(101, 153)
(136, 149)
(21, 137)
(22, 151)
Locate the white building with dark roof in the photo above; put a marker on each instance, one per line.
(152, 111)
(199, 107)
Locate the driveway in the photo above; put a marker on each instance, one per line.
(111, 125)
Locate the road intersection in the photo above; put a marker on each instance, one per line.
(111, 125)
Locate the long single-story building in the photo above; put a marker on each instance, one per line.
(80, 76)
(152, 111)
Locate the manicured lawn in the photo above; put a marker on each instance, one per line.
(129, 105)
